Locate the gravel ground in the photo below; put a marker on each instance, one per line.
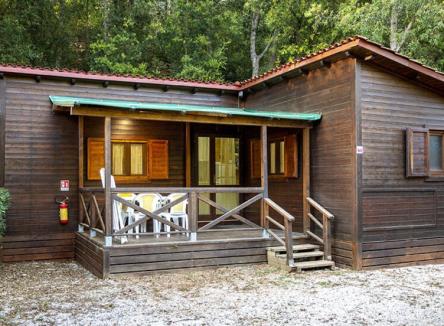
(63, 293)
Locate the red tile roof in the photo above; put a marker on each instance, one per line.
(349, 44)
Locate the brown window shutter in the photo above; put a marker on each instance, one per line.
(158, 159)
(96, 157)
(417, 152)
(255, 158)
(291, 156)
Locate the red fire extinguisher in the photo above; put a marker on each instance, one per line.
(63, 210)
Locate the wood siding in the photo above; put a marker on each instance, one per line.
(41, 147)
(333, 167)
(402, 218)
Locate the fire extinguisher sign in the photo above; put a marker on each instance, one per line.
(64, 185)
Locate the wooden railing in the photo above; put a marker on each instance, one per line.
(324, 226)
(91, 215)
(287, 228)
(194, 195)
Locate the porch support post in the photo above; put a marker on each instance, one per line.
(81, 170)
(306, 177)
(264, 179)
(187, 155)
(108, 199)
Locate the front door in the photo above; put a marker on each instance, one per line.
(218, 165)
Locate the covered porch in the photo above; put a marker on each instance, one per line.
(242, 176)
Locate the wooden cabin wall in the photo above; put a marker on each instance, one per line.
(396, 210)
(333, 165)
(41, 148)
(174, 132)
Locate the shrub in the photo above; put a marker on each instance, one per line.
(4, 203)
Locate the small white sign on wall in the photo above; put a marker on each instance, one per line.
(64, 185)
(359, 149)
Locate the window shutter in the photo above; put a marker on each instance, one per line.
(158, 159)
(255, 158)
(417, 152)
(291, 156)
(96, 157)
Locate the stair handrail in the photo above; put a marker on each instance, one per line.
(287, 227)
(325, 226)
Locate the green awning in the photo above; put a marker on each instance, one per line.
(68, 101)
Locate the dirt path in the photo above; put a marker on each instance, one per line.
(63, 293)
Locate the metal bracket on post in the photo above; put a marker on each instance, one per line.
(265, 234)
(193, 236)
(108, 241)
(92, 233)
(80, 228)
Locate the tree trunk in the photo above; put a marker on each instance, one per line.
(253, 55)
(256, 58)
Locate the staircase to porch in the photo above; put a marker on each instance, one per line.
(306, 256)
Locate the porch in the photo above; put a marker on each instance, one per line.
(226, 169)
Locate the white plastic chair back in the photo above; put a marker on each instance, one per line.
(180, 208)
(149, 201)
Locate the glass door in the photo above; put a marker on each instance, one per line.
(218, 165)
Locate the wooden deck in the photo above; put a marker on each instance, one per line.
(149, 254)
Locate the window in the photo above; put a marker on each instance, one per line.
(276, 150)
(435, 153)
(131, 160)
(282, 157)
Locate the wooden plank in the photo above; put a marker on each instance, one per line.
(125, 250)
(279, 209)
(187, 155)
(305, 177)
(189, 117)
(36, 250)
(241, 190)
(134, 259)
(402, 251)
(223, 261)
(39, 256)
(2, 129)
(81, 177)
(382, 245)
(108, 199)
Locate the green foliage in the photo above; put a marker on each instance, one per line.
(4, 204)
(206, 39)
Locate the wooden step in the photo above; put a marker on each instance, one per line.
(313, 264)
(296, 248)
(301, 255)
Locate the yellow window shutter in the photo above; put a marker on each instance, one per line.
(96, 157)
(291, 156)
(255, 158)
(158, 159)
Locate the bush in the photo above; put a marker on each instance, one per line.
(4, 203)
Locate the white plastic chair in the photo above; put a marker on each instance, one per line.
(121, 214)
(150, 202)
(178, 213)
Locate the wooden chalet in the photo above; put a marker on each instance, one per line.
(338, 155)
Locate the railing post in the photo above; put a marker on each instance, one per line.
(108, 199)
(326, 237)
(306, 178)
(289, 241)
(194, 211)
(81, 171)
(264, 180)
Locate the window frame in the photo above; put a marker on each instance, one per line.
(277, 142)
(432, 172)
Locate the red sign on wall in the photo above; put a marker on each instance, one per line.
(64, 185)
